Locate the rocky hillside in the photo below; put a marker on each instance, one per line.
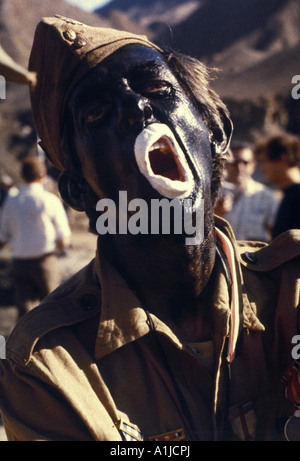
(156, 15)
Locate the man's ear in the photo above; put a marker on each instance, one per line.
(221, 133)
(76, 192)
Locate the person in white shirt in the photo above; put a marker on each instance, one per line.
(35, 225)
(248, 205)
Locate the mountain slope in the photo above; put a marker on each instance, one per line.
(151, 13)
(218, 24)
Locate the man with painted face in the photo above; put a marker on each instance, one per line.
(155, 339)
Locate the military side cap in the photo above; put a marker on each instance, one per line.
(63, 51)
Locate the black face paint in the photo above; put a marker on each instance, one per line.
(129, 91)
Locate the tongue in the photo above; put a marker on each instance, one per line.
(165, 167)
(163, 161)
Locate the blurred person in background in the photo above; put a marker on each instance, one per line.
(279, 158)
(248, 205)
(35, 225)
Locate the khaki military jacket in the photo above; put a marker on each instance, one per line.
(91, 364)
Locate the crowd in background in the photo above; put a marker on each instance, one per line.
(262, 209)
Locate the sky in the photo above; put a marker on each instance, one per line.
(88, 5)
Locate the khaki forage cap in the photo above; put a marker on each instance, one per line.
(63, 51)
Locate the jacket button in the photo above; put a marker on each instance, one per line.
(250, 257)
(88, 301)
(79, 42)
(70, 35)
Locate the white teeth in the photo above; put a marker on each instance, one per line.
(151, 139)
(159, 145)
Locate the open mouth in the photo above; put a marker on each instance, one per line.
(161, 160)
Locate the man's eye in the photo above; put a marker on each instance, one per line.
(93, 116)
(96, 114)
(157, 88)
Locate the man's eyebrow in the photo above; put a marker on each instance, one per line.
(149, 67)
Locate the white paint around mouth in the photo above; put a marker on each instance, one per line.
(167, 187)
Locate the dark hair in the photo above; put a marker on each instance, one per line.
(276, 146)
(237, 146)
(33, 168)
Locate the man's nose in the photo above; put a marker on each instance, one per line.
(134, 112)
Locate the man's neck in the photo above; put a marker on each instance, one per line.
(168, 278)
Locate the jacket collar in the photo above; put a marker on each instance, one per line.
(124, 320)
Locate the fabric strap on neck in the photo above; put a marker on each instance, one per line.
(235, 314)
